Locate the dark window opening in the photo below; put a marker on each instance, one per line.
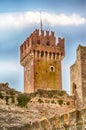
(52, 68)
(37, 53)
(46, 54)
(42, 54)
(34, 52)
(54, 55)
(48, 43)
(74, 88)
(50, 55)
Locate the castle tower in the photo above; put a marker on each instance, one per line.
(41, 58)
(78, 77)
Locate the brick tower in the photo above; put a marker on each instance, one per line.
(78, 77)
(41, 58)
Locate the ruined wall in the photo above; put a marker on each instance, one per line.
(83, 72)
(74, 120)
(41, 58)
(78, 77)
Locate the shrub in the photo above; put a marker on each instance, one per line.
(53, 102)
(40, 100)
(7, 92)
(50, 94)
(40, 92)
(1, 96)
(61, 93)
(28, 126)
(7, 99)
(12, 92)
(12, 99)
(60, 102)
(23, 100)
(68, 103)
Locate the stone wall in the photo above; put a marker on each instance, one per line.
(78, 77)
(41, 58)
(73, 120)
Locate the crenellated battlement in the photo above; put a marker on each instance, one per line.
(43, 43)
(43, 33)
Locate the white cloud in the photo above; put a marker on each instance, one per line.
(10, 67)
(12, 72)
(20, 20)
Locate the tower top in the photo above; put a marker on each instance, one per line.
(42, 41)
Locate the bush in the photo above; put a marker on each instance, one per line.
(40, 100)
(12, 99)
(7, 99)
(50, 94)
(7, 92)
(60, 102)
(68, 103)
(61, 93)
(23, 100)
(28, 126)
(53, 102)
(12, 92)
(1, 95)
(40, 92)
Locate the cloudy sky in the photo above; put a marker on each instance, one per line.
(19, 18)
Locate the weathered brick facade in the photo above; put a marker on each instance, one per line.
(78, 77)
(41, 58)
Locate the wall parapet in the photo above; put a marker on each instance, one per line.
(43, 41)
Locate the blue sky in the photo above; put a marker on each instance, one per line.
(19, 18)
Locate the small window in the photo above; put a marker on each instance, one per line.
(37, 53)
(48, 43)
(52, 68)
(50, 55)
(74, 88)
(42, 54)
(46, 53)
(54, 55)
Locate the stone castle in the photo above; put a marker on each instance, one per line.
(44, 105)
(41, 58)
(78, 77)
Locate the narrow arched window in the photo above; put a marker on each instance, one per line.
(42, 53)
(48, 43)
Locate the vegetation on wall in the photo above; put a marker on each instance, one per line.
(60, 102)
(23, 100)
(1, 96)
(7, 99)
(40, 100)
(43, 96)
(12, 99)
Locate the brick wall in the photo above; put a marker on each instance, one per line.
(41, 58)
